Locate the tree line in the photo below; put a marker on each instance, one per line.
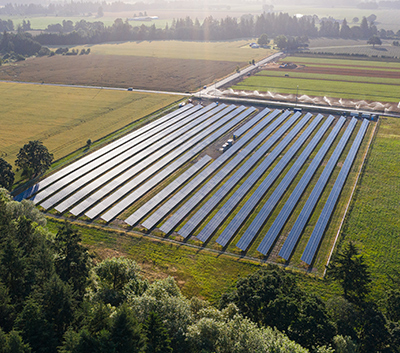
(84, 32)
(272, 24)
(55, 297)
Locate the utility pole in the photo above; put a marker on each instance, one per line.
(297, 93)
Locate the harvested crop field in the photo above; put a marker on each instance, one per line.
(64, 118)
(161, 74)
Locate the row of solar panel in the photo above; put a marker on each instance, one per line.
(161, 123)
(251, 180)
(224, 126)
(121, 175)
(82, 179)
(163, 194)
(124, 160)
(174, 220)
(256, 197)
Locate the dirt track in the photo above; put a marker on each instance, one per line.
(119, 71)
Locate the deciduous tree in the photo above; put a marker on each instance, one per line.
(34, 158)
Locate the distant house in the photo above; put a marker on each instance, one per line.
(143, 18)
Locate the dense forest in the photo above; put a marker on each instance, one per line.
(55, 297)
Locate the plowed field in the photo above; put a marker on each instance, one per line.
(164, 74)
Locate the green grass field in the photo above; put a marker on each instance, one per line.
(335, 80)
(64, 118)
(234, 51)
(373, 222)
(342, 78)
(350, 62)
(318, 87)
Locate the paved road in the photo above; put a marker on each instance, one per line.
(98, 87)
(208, 91)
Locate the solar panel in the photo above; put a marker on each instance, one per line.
(294, 198)
(250, 124)
(116, 179)
(182, 112)
(186, 190)
(131, 152)
(130, 199)
(318, 232)
(257, 174)
(240, 217)
(206, 189)
(196, 219)
(321, 183)
(156, 200)
(157, 146)
(269, 206)
(168, 190)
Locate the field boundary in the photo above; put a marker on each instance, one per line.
(351, 195)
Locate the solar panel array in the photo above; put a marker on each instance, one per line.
(148, 147)
(250, 181)
(217, 179)
(294, 198)
(256, 197)
(330, 204)
(161, 122)
(170, 158)
(123, 178)
(166, 208)
(321, 183)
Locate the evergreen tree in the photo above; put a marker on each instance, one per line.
(158, 340)
(35, 329)
(6, 175)
(350, 270)
(73, 261)
(126, 332)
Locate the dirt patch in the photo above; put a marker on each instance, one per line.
(176, 75)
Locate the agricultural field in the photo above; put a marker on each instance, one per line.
(64, 118)
(353, 47)
(357, 80)
(146, 65)
(162, 185)
(237, 51)
(373, 222)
